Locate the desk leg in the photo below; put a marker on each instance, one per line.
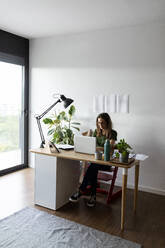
(136, 185)
(124, 187)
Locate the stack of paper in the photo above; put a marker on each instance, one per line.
(64, 146)
(122, 103)
(141, 157)
(110, 103)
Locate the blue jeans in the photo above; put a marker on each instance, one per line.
(90, 177)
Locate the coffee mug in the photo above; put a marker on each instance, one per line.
(98, 155)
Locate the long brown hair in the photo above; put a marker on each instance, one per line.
(106, 117)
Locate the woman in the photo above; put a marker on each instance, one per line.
(103, 131)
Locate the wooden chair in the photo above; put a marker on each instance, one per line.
(104, 177)
(108, 177)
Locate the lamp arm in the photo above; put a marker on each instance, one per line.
(41, 133)
(39, 117)
(47, 110)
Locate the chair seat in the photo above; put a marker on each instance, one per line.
(104, 176)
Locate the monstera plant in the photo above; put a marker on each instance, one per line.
(61, 126)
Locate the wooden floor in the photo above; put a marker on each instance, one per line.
(147, 227)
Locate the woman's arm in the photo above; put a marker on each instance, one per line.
(99, 148)
(88, 133)
(112, 143)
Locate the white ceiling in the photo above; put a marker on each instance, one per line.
(41, 18)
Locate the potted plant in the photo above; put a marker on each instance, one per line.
(123, 149)
(61, 126)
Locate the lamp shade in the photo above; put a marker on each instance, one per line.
(67, 101)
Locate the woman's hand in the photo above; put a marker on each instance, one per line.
(88, 133)
(99, 148)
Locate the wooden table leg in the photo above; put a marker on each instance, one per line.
(136, 185)
(124, 187)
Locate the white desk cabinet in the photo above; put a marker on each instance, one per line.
(56, 179)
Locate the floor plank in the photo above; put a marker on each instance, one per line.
(146, 227)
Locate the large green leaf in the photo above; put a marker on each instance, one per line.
(78, 129)
(48, 121)
(58, 136)
(72, 110)
(51, 131)
(69, 132)
(56, 122)
(62, 115)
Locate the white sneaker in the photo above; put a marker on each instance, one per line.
(92, 201)
(75, 197)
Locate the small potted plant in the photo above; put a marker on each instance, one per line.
(123, 149)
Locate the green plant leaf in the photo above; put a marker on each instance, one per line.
(75, 123)
(48, 121)
(78, 129)
(117, 154)
(57, 122)
(72, 110)
(66, 118)
(69, 132)
(51, 131)
(62, 115)
(122, 146)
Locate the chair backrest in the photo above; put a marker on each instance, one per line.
(105, 175)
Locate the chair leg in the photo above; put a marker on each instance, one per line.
(112, 195)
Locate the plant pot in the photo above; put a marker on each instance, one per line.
(123, 158)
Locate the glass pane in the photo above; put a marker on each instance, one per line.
(11, 115)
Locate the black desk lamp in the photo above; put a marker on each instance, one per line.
(62, 98)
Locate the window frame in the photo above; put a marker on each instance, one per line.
(15, 49)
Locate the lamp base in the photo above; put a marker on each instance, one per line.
(52, 147)
(42, 144)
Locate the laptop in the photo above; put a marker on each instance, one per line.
(84, 144)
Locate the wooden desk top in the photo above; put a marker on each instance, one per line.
(81, 157)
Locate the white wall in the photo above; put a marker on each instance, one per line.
(125, 60)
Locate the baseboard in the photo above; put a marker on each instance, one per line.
(144, 188)
(31, 166)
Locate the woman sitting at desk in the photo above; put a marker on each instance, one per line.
(103, 131)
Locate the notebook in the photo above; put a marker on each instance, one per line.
(65, 146)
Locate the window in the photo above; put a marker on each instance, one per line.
(14, 53)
